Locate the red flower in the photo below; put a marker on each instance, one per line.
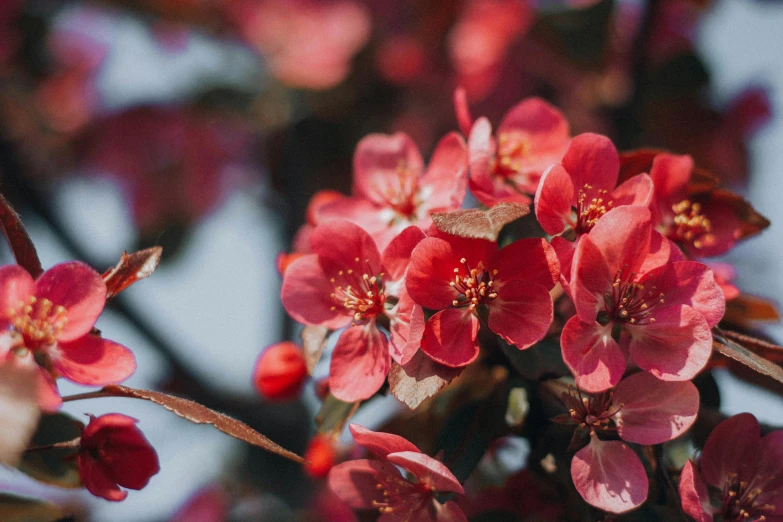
(52, 319)
(113, 453)
(345, 282)
(642, 409)
(392, 190)
(532, 136)
(280, 371)
(741, 469)
(630, 302)
(378, 484)
(463, 278)
(581, 189)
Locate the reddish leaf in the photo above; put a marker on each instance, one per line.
(313, 343)
(131, 268)
(744, 309)
(745, 356)
(21, 244)
(419, 379)
(199, 414)
(479, 224)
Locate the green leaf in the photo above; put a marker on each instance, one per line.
(334, 415)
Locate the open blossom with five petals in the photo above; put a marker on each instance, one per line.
(392, 190)
(629, 304)
(112, 453)
(578, 191)
(470, 278)
(532, 136)
(739, 469)
(346, 282)
(379, 484)
(641, 409)
(50, 320)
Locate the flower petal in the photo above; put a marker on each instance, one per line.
(464, 119)
(733, 446)
(79, 289)
(591, 354)
(397, 254)
(430, 271)
(546, 126)
(379, 443)
(356, 250)
(306, 295)
(450, 512)
(675, 347)
(450, 337)
(592, 159)
(16, 285)
(96, 480)
(654, 411)
(670, 174)
(94, 361)
(360, 363)
(636, 191)
(427, 469)
(386, 164)
(444, 184)
(553, 200)
(406, 329)
(539, 262)
(521, 313)
(354, 481)
(609, 476)
(693, 494)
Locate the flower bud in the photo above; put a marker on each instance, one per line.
(280, 371)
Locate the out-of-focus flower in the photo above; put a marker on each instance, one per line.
(465, 278)
(532, 136)
(392, 190)
(51, 319)
(738, 468)
(346, 282)
(208, 504)
(631, 302)
(113, 453)
(577, 192)
(320, 456)
(379, 484)
(643, 410)
(280, 371)
(308, 43)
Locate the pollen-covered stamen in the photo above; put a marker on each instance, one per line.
(592, 411)
(398, 191)
(400, 496)
(39, 321)
(690, 226)
(743, 501)
(513, 148)
(590, 209)
(475, 285)
(631, 302)
(359, 293)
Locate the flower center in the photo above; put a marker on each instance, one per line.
(361, 295)
(39, 321)
(630, 302)
(690, 226)
(475, 285)
(513, 148)
(589, 210)
(592, 411)
(400, 496)
(741, 502)
(398, 191)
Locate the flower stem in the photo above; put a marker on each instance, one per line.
(88, 395)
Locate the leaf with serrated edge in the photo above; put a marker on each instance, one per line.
(479, 224)
(199, 414)
(313, 343)
(130, 269)
(20, 242)
(419, 379)
(753, 361)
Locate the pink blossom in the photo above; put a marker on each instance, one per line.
(643, 410)
(51, 320)
(392, 190)
(632, 303)
(346, 282)
(379, 484)
(465, 278)
(738, 468)
(532, 136)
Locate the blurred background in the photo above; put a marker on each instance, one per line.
(205, 126)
